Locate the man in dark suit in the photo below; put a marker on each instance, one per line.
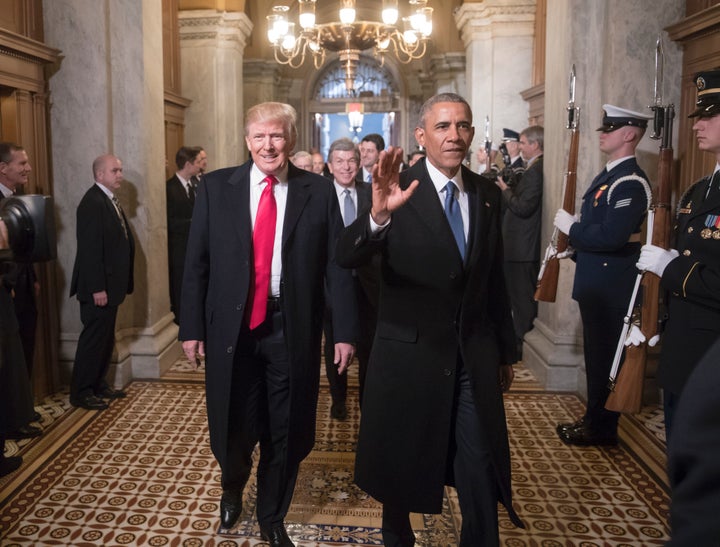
(370, 147)
(606, 240)
(20, 281)
(15, 395)
(180, 190)
(433, 407)
(259, 257)
(521, 224)
(691, 272)
(102, 277)
(344, 160)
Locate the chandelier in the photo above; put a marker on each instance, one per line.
(349, 37)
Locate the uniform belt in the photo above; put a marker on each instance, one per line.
(634, 238)
(273, 303)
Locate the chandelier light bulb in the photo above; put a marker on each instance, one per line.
(307, 14)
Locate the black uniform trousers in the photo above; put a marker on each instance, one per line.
(261, 394)
(602, 326)
(470, 463)
(94, 350)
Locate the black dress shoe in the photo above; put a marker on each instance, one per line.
(110, 393)
(276, 536)
(338, 411)
(567, 426)
(36, 417)
(230, 509)
(8, 465)
(89, 402)
(24, 432)
(583, 436)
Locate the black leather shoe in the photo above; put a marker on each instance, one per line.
(582, 436)
(8, 465)
(276, 536)
(89, 402)
(338, 411)
(110, 393)
(230, 509)
(24, 432)
(560, 428)
(36, 416)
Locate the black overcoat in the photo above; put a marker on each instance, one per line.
(217, 281)
(432, 308)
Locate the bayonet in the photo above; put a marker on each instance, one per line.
(573, 111)
(657, 106)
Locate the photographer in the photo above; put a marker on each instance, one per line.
(521, 231)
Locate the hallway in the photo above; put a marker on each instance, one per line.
(142, 473)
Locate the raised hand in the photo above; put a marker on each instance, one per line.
(387, 196)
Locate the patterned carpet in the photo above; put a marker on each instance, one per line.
(141, 473)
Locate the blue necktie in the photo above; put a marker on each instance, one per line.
(348, 208)
(454, 216)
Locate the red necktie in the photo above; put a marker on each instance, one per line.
(263, 242)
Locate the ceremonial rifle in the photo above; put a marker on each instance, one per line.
(550, 270)
(627, 386)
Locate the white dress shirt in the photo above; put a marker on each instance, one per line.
(280, 192)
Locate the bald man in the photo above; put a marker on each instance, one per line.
(102, 276)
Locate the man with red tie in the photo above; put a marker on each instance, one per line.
(260, 252)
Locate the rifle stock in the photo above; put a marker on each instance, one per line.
(546, 289)
(627, 391)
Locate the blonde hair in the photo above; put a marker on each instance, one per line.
(271, 111)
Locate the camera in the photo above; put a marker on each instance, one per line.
(30, 222)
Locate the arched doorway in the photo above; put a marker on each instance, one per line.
(375, 108)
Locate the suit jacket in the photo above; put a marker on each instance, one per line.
(610, 214)
(693, 283)
(433, 308)
(523, 214)
(693, 453)
(105, 256)
(179, 216)
(218, 272)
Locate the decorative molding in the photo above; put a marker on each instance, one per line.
(493, 18)
(211, 25)
(23, 48)
(702, 23)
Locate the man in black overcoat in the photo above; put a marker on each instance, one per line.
(433, 410)
(102, 277)
(255, 305)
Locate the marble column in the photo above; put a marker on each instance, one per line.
(612, 45)
(211, 55)
(498, 38)
(106, 96)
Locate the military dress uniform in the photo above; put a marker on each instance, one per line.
(693, 284)
(607, 245)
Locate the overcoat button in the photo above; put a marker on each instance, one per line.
(453, 275)
(604, 264)
(229, 350)
(447, 372)
(239, 307)
(690, 230)
(686, 252)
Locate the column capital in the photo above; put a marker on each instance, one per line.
(492, 18)
(214, 26)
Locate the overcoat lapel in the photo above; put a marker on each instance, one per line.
(297, 196)
(236, 201)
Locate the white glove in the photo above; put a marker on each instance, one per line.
(634, 337)
(564, 220)
(654, 340)
(569, 251)
(655, 259)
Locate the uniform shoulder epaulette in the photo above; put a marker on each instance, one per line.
(645, 184)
